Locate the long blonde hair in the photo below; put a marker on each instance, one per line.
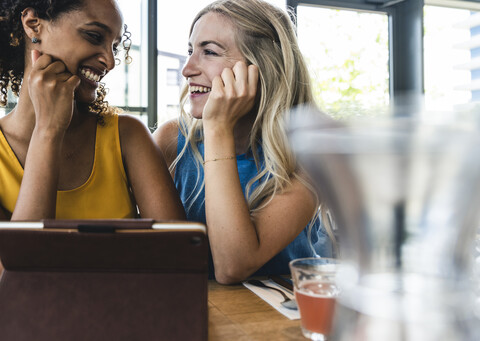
(266, 37)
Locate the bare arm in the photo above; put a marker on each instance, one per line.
(242, 242)
(152, 185)
(51, 88)
(38, 191)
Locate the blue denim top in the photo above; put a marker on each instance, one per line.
(186, 177)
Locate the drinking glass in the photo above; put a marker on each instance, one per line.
(404, 194)
(316, 291)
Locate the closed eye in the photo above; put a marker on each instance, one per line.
(94, 37)
(207, 52)
(210, 52)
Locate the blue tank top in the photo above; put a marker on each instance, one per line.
(187, 178)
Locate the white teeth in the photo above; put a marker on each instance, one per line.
(194, 88)
(90, 75)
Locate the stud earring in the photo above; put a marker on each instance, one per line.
(35, 40)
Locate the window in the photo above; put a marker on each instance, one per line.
(173, 77)
(11, 103)
(173, 24)
(451, 53)
(347, 53)
(126, 83)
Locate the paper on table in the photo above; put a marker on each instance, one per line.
(274, 298)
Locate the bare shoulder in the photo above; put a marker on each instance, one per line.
(166, 138)
(135, 138)
(301, 188)
(130, 126)
(166, 132)
(5, 123)
(304, 181)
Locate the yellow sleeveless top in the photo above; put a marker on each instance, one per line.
(106, 193)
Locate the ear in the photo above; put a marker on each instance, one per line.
(32, 24)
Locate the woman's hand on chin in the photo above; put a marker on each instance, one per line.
(51, 88)
(232, 96)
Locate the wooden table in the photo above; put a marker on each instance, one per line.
(236, 313)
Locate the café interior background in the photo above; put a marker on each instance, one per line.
(361, 54)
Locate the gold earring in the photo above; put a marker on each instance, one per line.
(14, 41)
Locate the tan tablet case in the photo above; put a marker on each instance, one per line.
(103, 280)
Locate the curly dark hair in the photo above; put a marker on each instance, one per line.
(12, 44)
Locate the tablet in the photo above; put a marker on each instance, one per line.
(131, 279)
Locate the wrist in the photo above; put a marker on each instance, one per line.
(48, 134)
(216, 130)
(219, 139)
(225, 158)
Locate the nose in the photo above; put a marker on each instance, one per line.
(191, 67)
(108, 59)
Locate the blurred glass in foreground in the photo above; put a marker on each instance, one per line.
(405, 195)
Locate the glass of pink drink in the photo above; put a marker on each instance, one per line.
(315, 291)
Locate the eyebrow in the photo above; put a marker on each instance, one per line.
(100, 25)
(207, 42)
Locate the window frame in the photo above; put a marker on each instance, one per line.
(405, 26)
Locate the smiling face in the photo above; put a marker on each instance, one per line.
(86, 41)
(211, 48)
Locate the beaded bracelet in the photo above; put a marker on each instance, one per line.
(220, 158)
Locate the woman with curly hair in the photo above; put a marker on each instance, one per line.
(64, 153)
(229, 156)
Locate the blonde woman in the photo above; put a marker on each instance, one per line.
(64, 153)
(229, 155)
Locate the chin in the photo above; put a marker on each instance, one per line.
(196, 114)
(85, 98)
